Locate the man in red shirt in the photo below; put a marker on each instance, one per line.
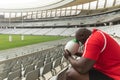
(100, 59)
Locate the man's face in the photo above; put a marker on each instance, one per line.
(80, 37)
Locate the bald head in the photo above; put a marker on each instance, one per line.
(82, 35)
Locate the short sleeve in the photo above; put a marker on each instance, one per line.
(91, 52)
(93, 46)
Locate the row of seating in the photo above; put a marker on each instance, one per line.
(66, 21)
(46, 72)
(113, 29)
(41, 62)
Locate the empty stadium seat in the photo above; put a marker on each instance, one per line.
(33, 75)
(57, 65)
(60, 75)
(28, 69)
(46, 71)
(13, 75)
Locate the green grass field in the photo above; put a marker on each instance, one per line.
(28, 40)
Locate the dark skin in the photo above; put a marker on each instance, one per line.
(80, 67)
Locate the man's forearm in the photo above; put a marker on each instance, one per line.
(75, 64)
(78, 54)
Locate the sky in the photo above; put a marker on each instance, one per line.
(19, 4)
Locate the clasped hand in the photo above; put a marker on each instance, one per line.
(67, 54)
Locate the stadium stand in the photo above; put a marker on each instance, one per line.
(60, 31)
(61, 19)
(23, 71)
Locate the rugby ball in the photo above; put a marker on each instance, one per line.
(72, 46)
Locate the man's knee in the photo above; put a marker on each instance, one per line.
(69, 74)
(72, 74)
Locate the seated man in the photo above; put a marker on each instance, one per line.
(100, 59)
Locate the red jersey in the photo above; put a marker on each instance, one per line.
(105, 51)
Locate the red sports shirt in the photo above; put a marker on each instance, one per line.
(105, 51)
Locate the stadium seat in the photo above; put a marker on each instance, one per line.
(13, 75)
(46, 71)
(16, 67)
(28, 69)
(57, 65)
(40, 64)
(60, 75)
(33, 75)
(64, 62)
(4, 74)
(48, 59)
(25, 64)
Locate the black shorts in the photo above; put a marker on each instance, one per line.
(96, 75)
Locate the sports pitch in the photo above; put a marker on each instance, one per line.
(28, 40)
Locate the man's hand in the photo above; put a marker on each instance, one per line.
(67, 54)
(79, 54)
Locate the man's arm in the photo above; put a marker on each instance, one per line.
(82, 65)
(78, 54)
(80, 51)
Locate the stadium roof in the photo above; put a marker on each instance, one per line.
(19, 4)
(77, 2)
(39, 5)
(23, 4)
